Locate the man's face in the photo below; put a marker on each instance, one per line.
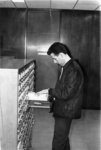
(56, 58)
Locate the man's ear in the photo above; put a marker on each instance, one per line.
(61, 55)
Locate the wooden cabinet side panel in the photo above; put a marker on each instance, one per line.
(8, 101)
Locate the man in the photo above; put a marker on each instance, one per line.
(66, 97)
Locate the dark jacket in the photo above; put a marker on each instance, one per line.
(67, 95)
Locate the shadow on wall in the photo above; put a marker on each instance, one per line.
(46, 72)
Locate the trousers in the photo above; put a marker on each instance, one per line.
(61, 134)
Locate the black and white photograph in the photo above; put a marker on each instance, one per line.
(50, 75)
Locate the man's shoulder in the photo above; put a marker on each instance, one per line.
(76, 64)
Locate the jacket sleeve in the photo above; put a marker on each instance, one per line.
(69, 88)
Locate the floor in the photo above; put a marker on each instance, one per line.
(84, 135)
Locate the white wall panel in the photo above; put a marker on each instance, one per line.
(87, 4)
(38, 3)
(98, 8)
(54, 4)
(63, 4)
(20, 5)
(6, 4)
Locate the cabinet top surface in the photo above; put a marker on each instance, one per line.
(7, 63)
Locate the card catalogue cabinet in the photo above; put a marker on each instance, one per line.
(17, 118)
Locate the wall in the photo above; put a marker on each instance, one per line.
(42, 31)
(81, 33)
(12, 32)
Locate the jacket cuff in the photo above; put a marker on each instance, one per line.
(50, 91)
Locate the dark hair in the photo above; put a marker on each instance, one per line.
(57, 48)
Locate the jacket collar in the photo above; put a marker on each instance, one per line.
(68, 63)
